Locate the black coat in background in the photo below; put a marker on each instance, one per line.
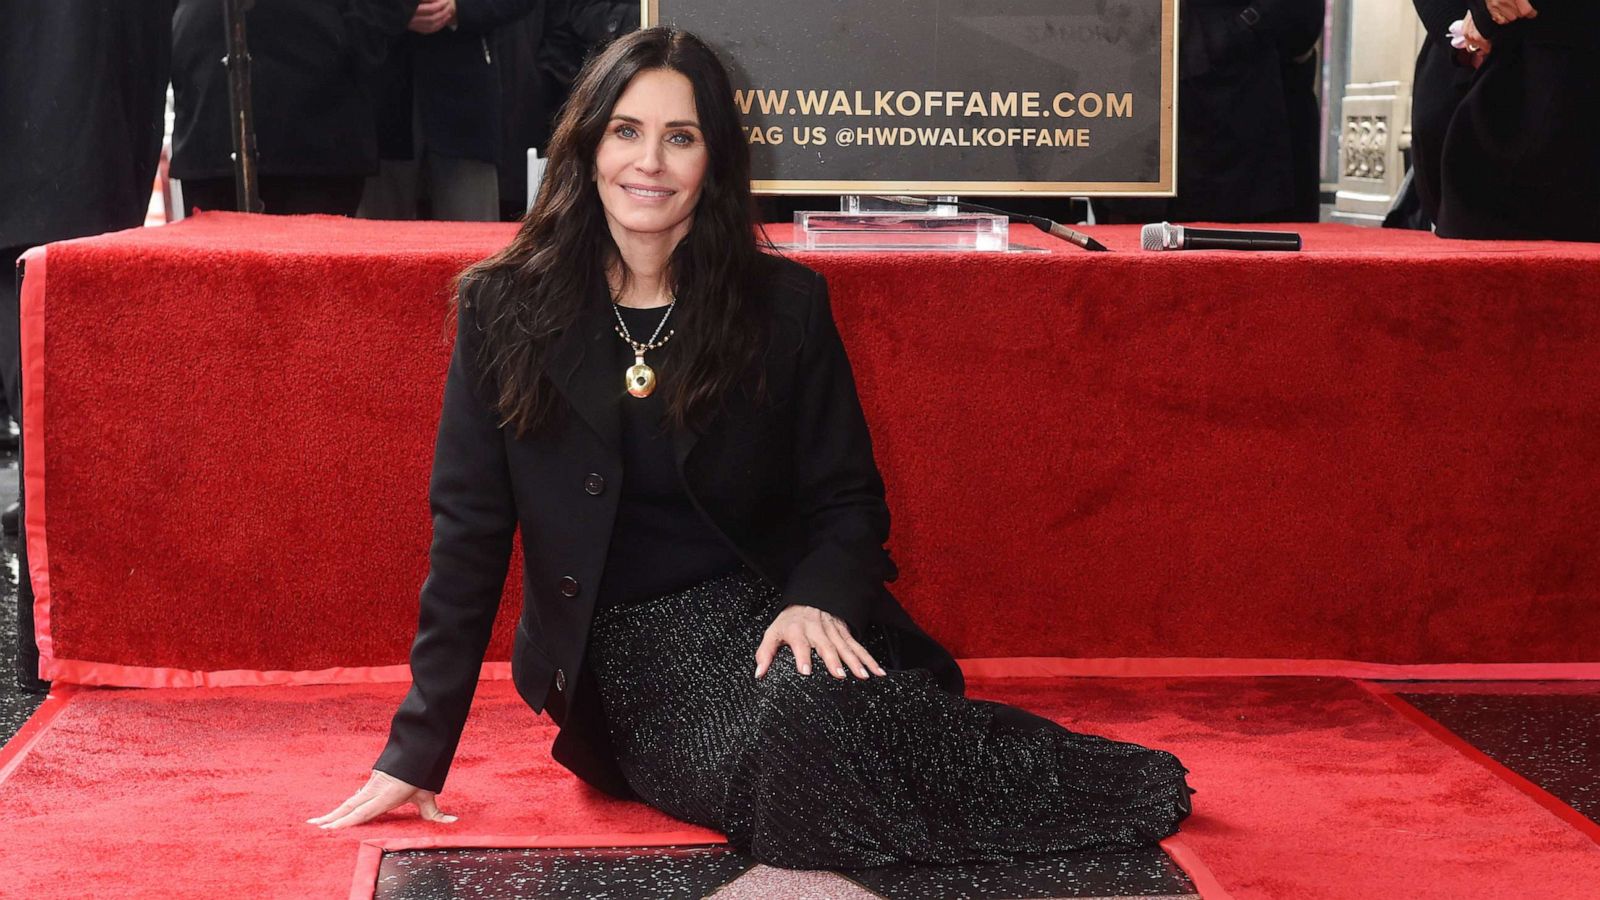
(1249, 131)
(526, 106)
(790, 483)
(453, 77)
(311, 64)
(1520, 157)
(538, 56)
(83, 88)
(576, 28)
(1437, 87)
(1236, 148)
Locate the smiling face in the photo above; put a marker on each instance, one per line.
(651, 162)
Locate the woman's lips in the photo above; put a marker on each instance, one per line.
(643, 192)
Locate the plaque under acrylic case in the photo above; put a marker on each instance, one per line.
(890, 230)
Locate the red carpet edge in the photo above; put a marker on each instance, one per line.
(85, 672)
(1539, 795)
(1205, 883)
(15, 750)
(32, 350)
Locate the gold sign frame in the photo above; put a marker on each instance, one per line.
(1165, 184)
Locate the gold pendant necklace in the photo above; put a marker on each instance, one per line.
(640, 379)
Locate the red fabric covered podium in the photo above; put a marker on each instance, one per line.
(1379, 455)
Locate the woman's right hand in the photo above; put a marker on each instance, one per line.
(381, 793)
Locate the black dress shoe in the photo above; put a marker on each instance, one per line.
(11, 519)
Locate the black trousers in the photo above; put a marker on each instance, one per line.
(10, 331)
(1437, 89)
(27, 658)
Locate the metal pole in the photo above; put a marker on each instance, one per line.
(247, 195)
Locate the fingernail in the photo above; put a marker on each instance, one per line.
(449, 818)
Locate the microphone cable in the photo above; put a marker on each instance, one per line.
(1045, 225)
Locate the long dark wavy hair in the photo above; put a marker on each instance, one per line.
(527, 294)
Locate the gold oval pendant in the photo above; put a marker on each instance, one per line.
(641, 380)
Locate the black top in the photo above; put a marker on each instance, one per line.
(660, 542)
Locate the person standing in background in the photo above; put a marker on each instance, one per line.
(439, 117)
(1437, 86)
(539, 56)
(574, 30)
(1515, 155)
(1248, 118)
(1300, 66)
(310, 61)
(83, 84)
(526, 105)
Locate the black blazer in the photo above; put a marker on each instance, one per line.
(791, 485)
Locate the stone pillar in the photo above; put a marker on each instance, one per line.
(1375, 113)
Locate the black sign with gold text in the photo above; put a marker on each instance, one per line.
(948, 96)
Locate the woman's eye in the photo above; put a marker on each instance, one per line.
(682, 138)
(626, 131)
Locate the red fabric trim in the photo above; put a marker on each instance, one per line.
(16, 749)
(1205, 883)
(364, 882)
(32, 348)
(530, 841)
(88, 672)
(1499, 688)
(369, 859)
(1170, 667)
(1539, 795)
(78, 671)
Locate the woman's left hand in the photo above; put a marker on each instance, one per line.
(806, 628)
(1477, 44)
(1464, 35)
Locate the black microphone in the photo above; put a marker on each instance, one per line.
(1164, 236)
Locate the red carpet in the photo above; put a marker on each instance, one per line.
(1380, 449)
(1309, 788)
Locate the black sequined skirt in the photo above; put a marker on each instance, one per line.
(809, 771)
